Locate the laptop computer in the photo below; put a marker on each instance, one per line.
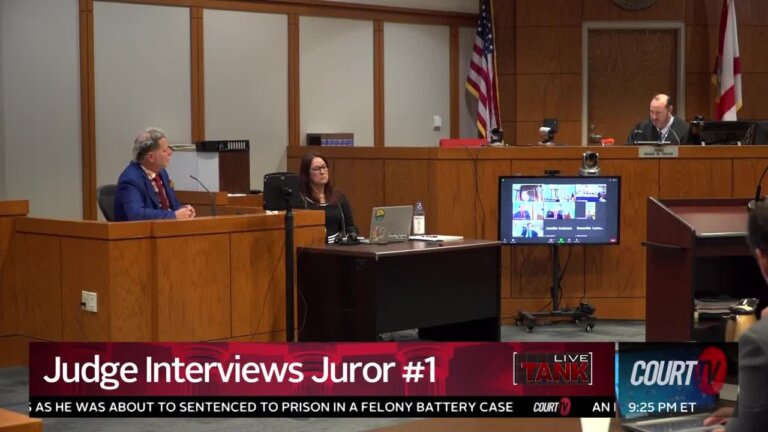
(390, 224)
(665, 407)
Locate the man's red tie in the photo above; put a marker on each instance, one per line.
(161, 192)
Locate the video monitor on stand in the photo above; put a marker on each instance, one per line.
(554, 211)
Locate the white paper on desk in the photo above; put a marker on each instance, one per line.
(436, 238)
(595, 424)
(729, 392)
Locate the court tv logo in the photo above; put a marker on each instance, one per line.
(708, 371)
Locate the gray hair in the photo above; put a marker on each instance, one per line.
(147, 141)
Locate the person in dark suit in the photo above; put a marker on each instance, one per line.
(751, 412)
(318, 193)
(661, 126)
(144, 189)
(528, 231)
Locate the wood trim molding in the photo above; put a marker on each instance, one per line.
(325, 9)
(454, 81)
(14, 208)
(197, 69)
(87, 111)
(378, 84)
(294, 83)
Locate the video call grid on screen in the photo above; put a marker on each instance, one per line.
(546, 210)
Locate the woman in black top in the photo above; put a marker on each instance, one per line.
(318, 193)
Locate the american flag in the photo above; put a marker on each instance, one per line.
(481, 80)
(727, 74)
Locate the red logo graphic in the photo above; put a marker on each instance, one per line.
(565, 406)
(549, 368)
(711, 370)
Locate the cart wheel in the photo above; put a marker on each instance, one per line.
(529, 329)
(589, 327)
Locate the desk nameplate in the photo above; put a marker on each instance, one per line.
(647, 151)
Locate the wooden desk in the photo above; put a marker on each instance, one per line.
(459, 189)
(354, 293)
(494, 425)
(10, 342)
(226, 204)
(197, 280)
(11, 421)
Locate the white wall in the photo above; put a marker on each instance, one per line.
(3, 178)
(467, 6)
(336, 76)
(246, 85)
(467, 102)
(40, 79)
(416, 84)
(142, 78)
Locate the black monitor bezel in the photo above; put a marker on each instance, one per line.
(545, 178)
(747, 128)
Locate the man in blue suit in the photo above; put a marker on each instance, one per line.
(144, 190)
(528, 231)
(522, 213)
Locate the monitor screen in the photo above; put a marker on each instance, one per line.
(723, 132)
(549, 210)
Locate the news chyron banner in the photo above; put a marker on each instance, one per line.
(392, 379)
(673, 379)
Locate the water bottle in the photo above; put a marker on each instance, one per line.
(419, 222)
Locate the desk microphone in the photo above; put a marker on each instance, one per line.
(345, 239)
(213, 197)
(753, 204)
(676, 136)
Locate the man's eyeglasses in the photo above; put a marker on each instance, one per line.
(320, 168)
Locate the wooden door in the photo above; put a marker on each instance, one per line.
(626, 69)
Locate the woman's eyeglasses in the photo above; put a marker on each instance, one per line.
(320, 168)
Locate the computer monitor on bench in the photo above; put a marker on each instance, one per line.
(722, 132)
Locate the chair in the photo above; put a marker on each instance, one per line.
(105, 195)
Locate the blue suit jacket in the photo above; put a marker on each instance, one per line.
(136, 198)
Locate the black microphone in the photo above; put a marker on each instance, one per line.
(753, 204)
(345, 240)
(343, 225)
(676, 136)
(635, 134)
(213, 197)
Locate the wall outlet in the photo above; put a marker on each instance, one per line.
(437, 122)
(89, 301)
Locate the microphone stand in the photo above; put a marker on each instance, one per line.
(289, 331)
(213, 197)
(676, 136)
(758, 198)
(585, 312)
